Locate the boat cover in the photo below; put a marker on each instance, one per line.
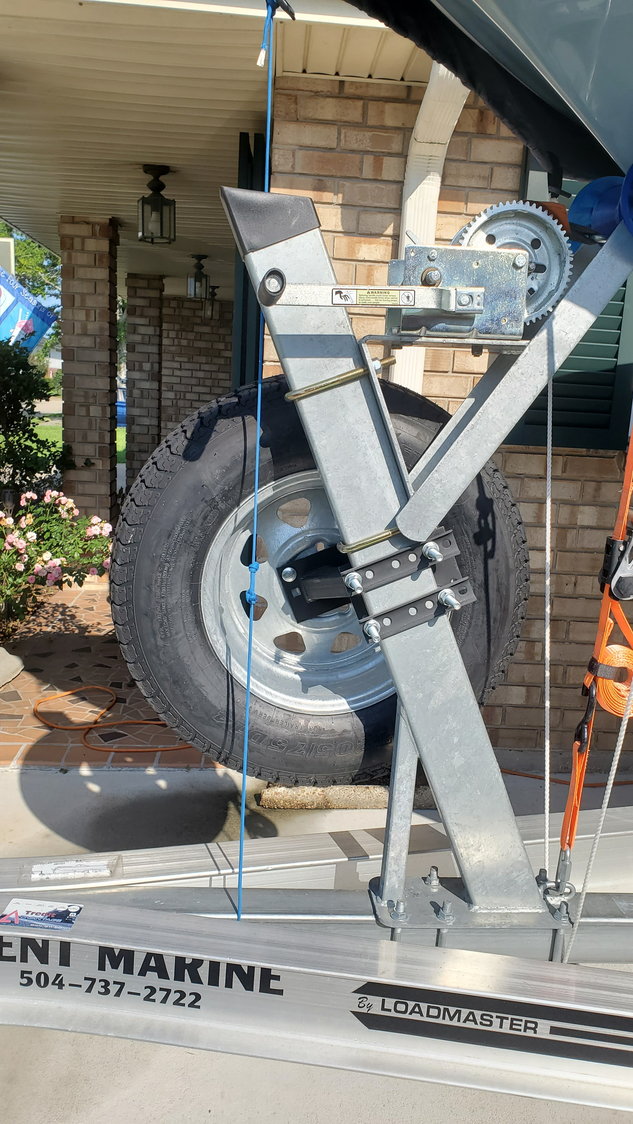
(559, 73)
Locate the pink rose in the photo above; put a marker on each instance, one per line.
(106, 529)
(75, 511)
(19, 566)
(30, 579)
(22, 501)
(20, 544)
(22, 522)
(95, 519)
(106, 563)
(93, 571)
(10, 539)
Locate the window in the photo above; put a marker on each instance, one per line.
(593, 388)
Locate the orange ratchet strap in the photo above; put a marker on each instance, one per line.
(605, 688)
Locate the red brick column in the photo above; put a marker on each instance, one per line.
(196, 357)
(144, 369)
(88, 253)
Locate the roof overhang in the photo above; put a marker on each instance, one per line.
(89, 92)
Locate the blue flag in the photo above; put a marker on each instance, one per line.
(22, 318)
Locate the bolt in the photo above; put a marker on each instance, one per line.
(431, 277)
(464, 299)
(448, 599)
(520, 261)
(353, 583)
(446, 912)
(372, 631)
(432, 255)
(377, 366)
(273, 282)
(432, 552)
(398, 913)
(562, 912)
(432, 879)
(289, 574)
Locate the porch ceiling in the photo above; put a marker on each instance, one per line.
(91, 91)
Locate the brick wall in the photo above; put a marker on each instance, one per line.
(88, 255)
(585, 492)
(344, 144)
(144, 369)
(196, 357)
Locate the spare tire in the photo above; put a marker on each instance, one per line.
(323, 705)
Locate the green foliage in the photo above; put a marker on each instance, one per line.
(46, 544)
(37, 268)
(23, 453)
(55, 383)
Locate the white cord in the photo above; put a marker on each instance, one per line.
(547, 654)
(603, 813)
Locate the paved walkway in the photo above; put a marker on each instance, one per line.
(69, 644)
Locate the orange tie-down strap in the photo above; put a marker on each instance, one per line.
(603, 689)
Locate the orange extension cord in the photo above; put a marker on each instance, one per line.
(97, 724)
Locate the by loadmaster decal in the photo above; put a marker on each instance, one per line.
(485, 1021)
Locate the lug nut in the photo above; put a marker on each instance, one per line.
(372, 631)
(353, 583)
(289, 574)
(448, 599)
(464, 299)
(432, 552)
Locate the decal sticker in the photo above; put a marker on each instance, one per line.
(29, 914)
(487, 1021)
(378, 297)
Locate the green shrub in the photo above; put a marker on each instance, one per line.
(23, 454)
(45, 543)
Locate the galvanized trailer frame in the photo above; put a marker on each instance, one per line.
(341, 992)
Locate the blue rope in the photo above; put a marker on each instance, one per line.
(251, 593)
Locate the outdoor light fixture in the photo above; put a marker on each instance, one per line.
(156, 215)
(198, 281)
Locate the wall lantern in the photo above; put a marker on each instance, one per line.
(198, 281)
(156, 215)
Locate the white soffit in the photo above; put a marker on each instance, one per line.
(349, 52)
(91, 92)
(310, 11)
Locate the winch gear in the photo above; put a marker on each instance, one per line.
(529, 229)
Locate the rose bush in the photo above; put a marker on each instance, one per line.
(46, 543)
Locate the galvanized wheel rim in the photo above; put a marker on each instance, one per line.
(316, 680)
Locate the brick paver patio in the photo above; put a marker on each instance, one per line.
(68, 644)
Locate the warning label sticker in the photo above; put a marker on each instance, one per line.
(29, 914)
(374, 296)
